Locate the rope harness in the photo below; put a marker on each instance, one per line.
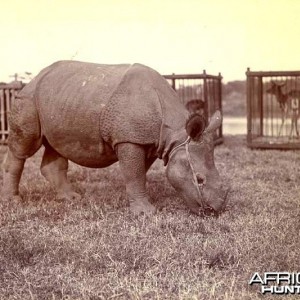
(198, 186)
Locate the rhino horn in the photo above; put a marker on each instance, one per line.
(195, 126)
(215, 122)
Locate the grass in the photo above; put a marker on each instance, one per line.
(95, 249)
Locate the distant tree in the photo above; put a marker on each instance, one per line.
(237, 86)
(234, 98)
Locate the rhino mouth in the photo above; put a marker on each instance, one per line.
(215, 210)
(206, 206)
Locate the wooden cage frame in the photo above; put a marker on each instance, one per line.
(8, 93)
(204, 87)
(273, 109)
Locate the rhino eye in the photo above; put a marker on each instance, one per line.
(200, 179)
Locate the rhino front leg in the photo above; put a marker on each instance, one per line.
(54, 168)
(132, 160)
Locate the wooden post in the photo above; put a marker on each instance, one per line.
(10, 100)
(2, 116)
(174, 82)
(220, 102)
(205, 98)
(260, 104)
(249, 108)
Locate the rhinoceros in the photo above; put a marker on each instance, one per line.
(95, 115)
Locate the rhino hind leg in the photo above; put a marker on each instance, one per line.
(23, 141)
(12, 172)
(132, 160)
(54, 168)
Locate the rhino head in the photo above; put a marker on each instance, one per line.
(191, 169)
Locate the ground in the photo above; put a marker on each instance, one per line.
(95, 249)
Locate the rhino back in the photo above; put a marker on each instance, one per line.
(69, 97)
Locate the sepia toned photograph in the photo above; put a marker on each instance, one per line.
(150, 150)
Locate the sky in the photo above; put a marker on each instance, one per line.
(171, 36)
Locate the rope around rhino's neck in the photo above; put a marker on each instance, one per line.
(198, 186)
(178, 146)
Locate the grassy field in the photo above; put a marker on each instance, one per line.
(94, 249)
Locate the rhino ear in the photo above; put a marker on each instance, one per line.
(215, 122)
(195, 126)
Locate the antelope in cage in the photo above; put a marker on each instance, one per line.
(289, 105)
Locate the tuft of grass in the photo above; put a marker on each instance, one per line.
(94, 248)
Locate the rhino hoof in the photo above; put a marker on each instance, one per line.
(142, 208)
(68, 196)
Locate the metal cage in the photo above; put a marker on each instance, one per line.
(202, 91)
(273, 109)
